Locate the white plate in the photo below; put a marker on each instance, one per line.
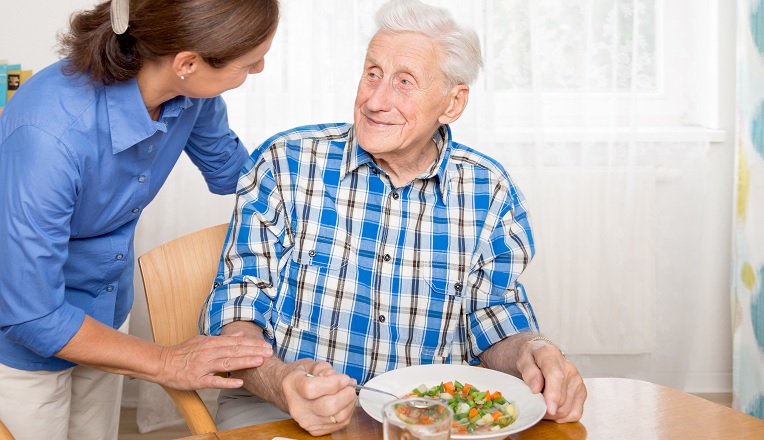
(531, 407)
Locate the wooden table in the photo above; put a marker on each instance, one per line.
(615, 409)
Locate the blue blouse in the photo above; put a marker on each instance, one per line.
(78, 164)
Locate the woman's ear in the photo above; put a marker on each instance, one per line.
(458, 97)
(185, 63)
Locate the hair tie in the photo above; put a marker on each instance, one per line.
(120, 15)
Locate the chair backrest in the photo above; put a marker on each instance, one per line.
(177, 277)
(5, 434)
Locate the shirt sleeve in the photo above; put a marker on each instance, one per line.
(247, 281)
(215, 149)
(497, 305)
(39, 179)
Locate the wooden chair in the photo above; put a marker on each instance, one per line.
(177, 277)
(5, 434)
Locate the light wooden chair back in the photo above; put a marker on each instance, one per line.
(177, 277)
(5, 434)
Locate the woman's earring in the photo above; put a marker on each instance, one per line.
(182, 77)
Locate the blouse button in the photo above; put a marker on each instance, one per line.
(395, 196)
(382, 318)
(458, 287)
(135, 210)
(120, 256)
(386, 257)
(312, 253)
(109, 288)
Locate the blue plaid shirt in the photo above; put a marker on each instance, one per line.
(338, 265)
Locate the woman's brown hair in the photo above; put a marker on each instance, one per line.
(218, 30)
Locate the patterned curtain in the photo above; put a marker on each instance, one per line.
(748, 239)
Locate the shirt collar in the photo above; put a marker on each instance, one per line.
(355, 156)
(129, 122)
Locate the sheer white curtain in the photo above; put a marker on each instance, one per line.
(581, 103)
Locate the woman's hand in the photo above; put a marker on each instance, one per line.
(193, 364)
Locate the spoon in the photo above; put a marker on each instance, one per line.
(362, 387)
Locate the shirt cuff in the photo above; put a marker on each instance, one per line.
(492, 324)
(46, 336)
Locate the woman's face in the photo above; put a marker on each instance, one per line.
(207, 81)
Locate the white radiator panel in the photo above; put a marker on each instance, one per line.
(593, 280)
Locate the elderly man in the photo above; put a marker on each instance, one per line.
(358, 249)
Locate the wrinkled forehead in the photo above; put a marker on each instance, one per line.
(410, 51)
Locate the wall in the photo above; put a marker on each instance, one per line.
(708, 366)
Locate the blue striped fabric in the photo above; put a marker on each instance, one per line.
(338, 265)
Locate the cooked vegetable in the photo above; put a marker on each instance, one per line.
(474, 410)
(413, 414)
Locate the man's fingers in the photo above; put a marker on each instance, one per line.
(325, 385)
(573, 407)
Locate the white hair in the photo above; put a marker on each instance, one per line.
(460, 46)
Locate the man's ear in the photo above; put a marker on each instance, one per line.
(458, 97)
(185, 63)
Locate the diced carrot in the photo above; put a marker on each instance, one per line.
(495, 395)
(497, 415)
(449, 387)
(473, 412)
(487, 397)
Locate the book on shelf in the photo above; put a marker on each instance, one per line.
(11, 77)
(3, 82)
(16, 77)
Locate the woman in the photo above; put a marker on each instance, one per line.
(85, 144)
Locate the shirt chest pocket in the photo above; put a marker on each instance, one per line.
(316, 280)
(430, 305)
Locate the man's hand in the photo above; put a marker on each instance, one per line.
(192, 365)
(544, 368)
(319, 399)
(320, 403)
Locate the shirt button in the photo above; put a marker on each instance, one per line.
(141, 178)
(395, 196)
(458, 287)
(120, 256)
(382, 318)
(135, 210)
(386, 257)
(109, 288)
(312, 253)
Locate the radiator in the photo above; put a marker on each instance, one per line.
(593, 280)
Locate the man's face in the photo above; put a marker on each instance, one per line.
(400, 96)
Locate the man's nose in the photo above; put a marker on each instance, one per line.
(381, 97)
